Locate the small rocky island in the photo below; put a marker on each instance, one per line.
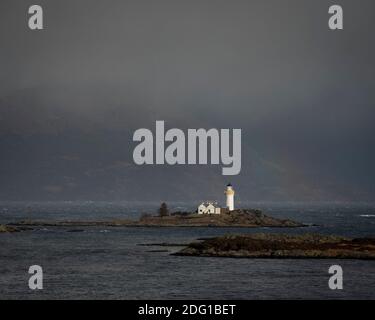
(208, 214)
(249, 218)
(306, 246)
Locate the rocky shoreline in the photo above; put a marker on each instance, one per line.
(247, 218)
(8, 229)
(307, 246)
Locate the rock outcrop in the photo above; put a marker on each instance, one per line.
(283, 246)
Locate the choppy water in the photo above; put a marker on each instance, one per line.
(109, 263)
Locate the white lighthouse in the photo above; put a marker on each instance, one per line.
(230, 197)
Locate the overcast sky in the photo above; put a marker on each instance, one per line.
(72, 95)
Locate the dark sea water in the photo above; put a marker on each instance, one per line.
(110, 263)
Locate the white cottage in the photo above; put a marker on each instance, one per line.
(208, 208)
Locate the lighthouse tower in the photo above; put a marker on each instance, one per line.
(230, 197)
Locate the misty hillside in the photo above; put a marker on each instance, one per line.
(53, 152)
